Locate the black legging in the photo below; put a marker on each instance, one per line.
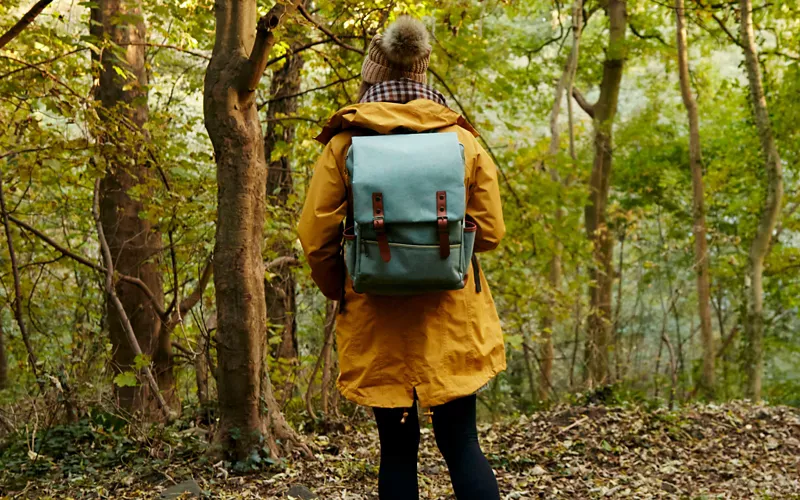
(457, 439)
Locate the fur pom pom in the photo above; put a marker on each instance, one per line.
(406, 41)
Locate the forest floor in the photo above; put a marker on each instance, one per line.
(727, 451)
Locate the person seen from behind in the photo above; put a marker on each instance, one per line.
(407, 337)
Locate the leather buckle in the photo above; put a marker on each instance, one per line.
(441, 222)
(379, 225)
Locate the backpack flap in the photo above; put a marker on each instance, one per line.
(409, 204)
(409, 170)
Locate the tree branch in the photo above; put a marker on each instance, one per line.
(86, 262)
(645, 36)
(286, 260)
(189, 302)
(46, 73)
(582, 102)
(265, 40)
(308, 91)
(486, 144)
(112, 294)
(721, 24)
(328, 32)
(302, 48)
(17, 304)
(167, 46)
(23, 23)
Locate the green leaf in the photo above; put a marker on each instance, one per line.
(141, 361)
(125, 379)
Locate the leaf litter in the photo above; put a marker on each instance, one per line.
(730, 451)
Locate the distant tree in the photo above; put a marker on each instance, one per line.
(280, 289)
(699, 230)
(760, 246)
(601, 272)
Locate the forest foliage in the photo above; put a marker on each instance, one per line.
(499, 64)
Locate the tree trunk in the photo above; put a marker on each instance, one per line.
(760, 246)
(134, 243)
(237, 62)
(554, 275)
(327, 355)
(201, 371)
(601, 276)
(280, 289)
(698, 207)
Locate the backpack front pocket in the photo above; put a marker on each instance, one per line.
(412, 269)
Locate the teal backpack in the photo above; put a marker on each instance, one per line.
(408, 229)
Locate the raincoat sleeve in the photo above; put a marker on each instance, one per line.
(484, 202)
(320, 227)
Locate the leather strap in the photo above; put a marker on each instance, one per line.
(441, 223)
(476, 272)
(379, 226)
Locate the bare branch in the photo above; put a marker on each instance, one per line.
(46, 73)
(485, 144)
(17, 304)
(112, 294)
(582, 102)
(168, 46)
(286, 260)
(23, 23)
(189, 302)
(721, 24)
(648, 36)
(86, 262)
(308, 91)
(301, 48)
(328, 32)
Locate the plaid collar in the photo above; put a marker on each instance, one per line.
(402, 91)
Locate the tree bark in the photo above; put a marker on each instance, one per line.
(601, 277)
(707, 384)
(133, 241)
(280, 289)
(554, 274)
(760, 246)
(237, 62)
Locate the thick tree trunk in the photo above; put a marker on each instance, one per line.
(760, 246)
(134, 243)
(706, 384)
(280, 289)
(231, 118)
(601, 276)
(554, 275)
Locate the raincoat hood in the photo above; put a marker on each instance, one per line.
(420, 115)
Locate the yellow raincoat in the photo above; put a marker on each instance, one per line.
(443, 345)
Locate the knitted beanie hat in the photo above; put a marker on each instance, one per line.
(403, 51)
